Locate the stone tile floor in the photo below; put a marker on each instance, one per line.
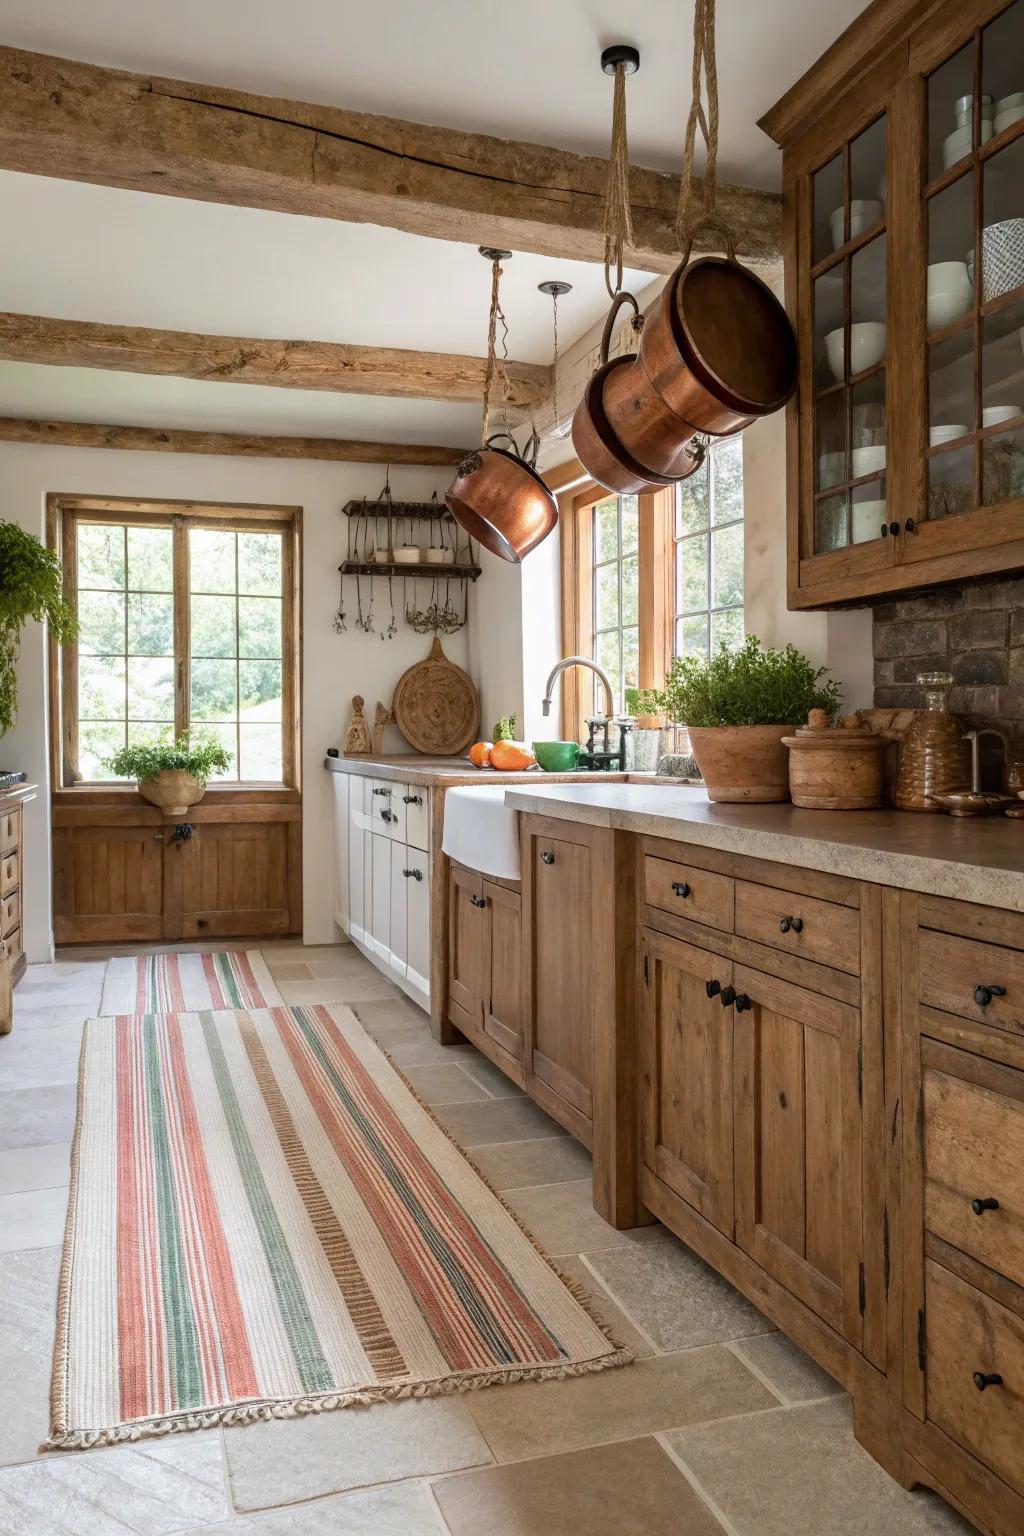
(720, 1428)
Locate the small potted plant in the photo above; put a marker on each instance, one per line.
(737, 706)
(645, 745)
(31, 587)
(171, 774)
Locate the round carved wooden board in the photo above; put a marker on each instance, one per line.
(436, 706)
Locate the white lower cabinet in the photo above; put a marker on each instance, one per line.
(380, 922)
(417, 909)
(399, 915)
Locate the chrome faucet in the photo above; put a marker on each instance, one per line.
(578, 661)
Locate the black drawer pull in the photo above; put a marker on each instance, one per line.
(727, 997)
(547, 858)
(983, 1379)
(479, 901)
(680, 888)
(412, 799)
(796, 923)
(988, 1204)
(388, 816)
(983, 995)
(884, 530)
(382, 791)
(712, 988)
(413, 874)
(743, 1003)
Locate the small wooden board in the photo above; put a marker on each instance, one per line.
(436, 706)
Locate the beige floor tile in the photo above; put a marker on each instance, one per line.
(41, 1058)
(38, 1015)
(150, 1489)
(338, 990)
(36, 1117)
(444, 1085)
(418, 1048)
(540, 1418)
(28, 1310)
(294, 949)
(788, 1371)
(290, 970)
(607, 1311)
(344, 962)
(398, 1012)
(496, 1120)
(32, 1218)
(35, 1168)
(800, 1470)
(563, 1220)
(524, 1164)
(612, 1490)
(286, 1460)
(402, 1509)
(677, 1299)
(492, 1078)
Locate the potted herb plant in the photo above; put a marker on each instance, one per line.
(31, 587)
(737, 706)
(645, 744)
(171, 774)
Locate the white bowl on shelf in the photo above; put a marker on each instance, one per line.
(938, 436)
(864, 211)
(867, 347)
(439, 556)
(407, 554)
(992, 415)
(950, 294)
(961, 142)
(1004, 103)
(867, 461)
(1007, 118)
(868, 517)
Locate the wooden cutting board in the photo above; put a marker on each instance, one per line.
(436, 706)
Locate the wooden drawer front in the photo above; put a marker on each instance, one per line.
(14, 946)
(10, 913)
(951, 971)
(698, 894)
(974, 1151)
(10, 830)
(967, 1332)
(801, 925)
(10, 871)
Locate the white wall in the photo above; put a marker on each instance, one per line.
(334, 667)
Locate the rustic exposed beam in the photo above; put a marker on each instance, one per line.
(81, 122)
(249, 360)
(87, 434)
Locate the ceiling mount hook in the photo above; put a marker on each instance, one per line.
(494, 253)
(620, 53)
(554, 289)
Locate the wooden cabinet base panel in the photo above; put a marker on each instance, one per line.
(467, 1026)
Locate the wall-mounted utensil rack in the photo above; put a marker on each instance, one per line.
(395, 568)
(382, 527)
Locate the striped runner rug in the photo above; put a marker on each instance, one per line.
(176, 983)
(264, 1221)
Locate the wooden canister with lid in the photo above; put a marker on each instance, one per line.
(836, 769)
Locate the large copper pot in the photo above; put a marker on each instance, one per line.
(500, 500)
(718, 348)
(624, 434)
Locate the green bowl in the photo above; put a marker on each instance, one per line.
(557, 756)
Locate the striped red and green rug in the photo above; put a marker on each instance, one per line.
(178, 982)
(264, 1221)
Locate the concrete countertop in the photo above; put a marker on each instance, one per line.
(979, 859)
(446, 772)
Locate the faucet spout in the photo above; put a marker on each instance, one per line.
(578, 661)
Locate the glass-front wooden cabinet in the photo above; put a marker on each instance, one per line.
(904, 226)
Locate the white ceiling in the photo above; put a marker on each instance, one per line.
(530, 72)
(132, 258)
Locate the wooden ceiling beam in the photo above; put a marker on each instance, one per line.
(81, 122)
(249, 360)
(87, 434)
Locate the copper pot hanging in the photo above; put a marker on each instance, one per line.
(501, 500)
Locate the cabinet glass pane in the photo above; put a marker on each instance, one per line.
(1002, 467)
(1002, 364)
(828, 211)
(831, 524)
(1002, 75)
(1002, 239)
(867, 306)
(950, 99)
(830, 463)
(867, 178)
(950, 290)
(951, 406)
(868, 511)
(951, 482)
(828, 328)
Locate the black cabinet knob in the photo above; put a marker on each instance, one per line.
(909, 525)
(479, 901)
(680, 888)
(794, 923)
(547, 858)
(894, 529)
(988, 1204)
(417, 874)
(412, 799)
(983, 1379)
(712, 988)
(983, 994)
(884, 530)
(727, 997)
(743, 1003)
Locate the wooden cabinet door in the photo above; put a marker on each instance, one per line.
(503, 1011)
(561, 1043)
(687, 1083)
(108, 884)
(798, 1142)
(235, 879)
(467, 942)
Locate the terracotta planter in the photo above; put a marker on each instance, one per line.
(173, 790)
(743, 762)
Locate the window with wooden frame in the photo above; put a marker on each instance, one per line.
(187, 622)
(708, 554)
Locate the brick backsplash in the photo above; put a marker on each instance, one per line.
(974, 631)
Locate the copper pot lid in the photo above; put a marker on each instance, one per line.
(851, 732)
(735, 331)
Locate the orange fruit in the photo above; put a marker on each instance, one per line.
(480, 754)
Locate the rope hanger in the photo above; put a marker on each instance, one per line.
(618, 216)
(690, 219)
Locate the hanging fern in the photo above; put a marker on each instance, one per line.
(31, 587)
